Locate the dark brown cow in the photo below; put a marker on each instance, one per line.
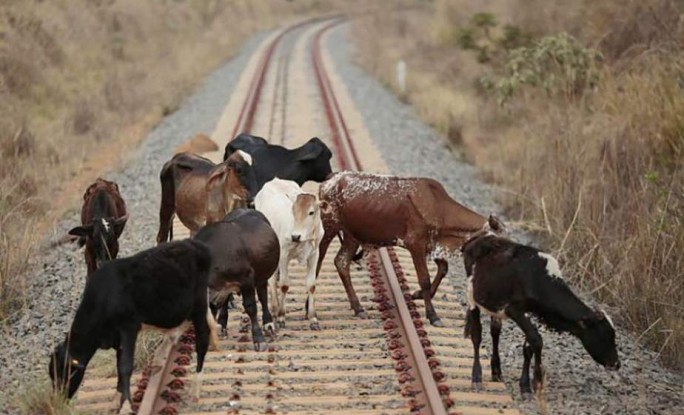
(103, 217)
(245, 253)
(414, 213)
(201, 192)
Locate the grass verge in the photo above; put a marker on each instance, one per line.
(577, 111)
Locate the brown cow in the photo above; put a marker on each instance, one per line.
(103, 217)
(202, 192)
(414, 213)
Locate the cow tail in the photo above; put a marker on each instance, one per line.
(168, 203)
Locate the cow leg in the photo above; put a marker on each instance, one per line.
(273, 295)
(213, 331)
(124, 367)
(534, 339)
(476, 337)
(342, 263)
(249, 302)
(323, 249)
(310, 305)
(283, 285)
(266, 318)
(419, 262)
(442, 269)
(525, 388)
(495, 331)
(202, 332)
(230, 302)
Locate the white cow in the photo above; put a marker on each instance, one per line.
(296, 218)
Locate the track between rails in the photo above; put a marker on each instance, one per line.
(391, 363)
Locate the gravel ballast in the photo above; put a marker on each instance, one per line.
(576, 384)
(57, 275)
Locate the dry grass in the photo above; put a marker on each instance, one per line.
(40, 399)
(600, 175)
(80, 75)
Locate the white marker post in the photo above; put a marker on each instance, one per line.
(401, 76)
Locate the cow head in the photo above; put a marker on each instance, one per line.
(597, 334)
(316, 155)
(307, 217)
(66, 372)
(244, 142)
(230, 184)
(101, 237)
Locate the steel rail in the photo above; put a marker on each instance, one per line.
(433, 403)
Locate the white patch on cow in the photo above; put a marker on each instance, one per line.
(126, 409)
(610, 320)
(469, 294)
(245, 156)
(105, 224)
(552, 267)
(400, 242)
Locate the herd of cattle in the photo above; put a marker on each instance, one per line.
(249, 217)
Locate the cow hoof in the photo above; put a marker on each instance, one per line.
(437, 323)
(527, 396)
(417, 295)
(224, 332)
(362, 314)
(281, 324)
(126, 409)
(270, 328)
(314, 325)
(260, 346)
(496, 377)
(477, 386)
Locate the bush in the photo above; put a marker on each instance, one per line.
(558, 64)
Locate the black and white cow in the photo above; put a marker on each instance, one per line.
(163, 287)
(311, 161)
(510, 280)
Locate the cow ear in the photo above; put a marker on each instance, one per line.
(310, 151)
(495, 224)
(84, 230)
(119, 224)
(214, 189)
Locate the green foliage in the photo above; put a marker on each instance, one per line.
(558, 64)
(484, 21)
(465, 38)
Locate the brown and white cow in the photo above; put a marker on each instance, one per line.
(103, 218)
(381, 210)
(295, 216)
(201, 192)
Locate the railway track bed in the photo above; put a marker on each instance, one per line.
(392, 362)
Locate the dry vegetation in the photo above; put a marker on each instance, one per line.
(588, 141)
(83, 75)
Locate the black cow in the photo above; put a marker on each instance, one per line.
(245, 251)
(509, 280)
(311, 161)
(162, 287)
(103, 217)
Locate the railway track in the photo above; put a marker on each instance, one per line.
(394, 362)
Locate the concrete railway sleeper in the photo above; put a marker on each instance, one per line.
(393, 362)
